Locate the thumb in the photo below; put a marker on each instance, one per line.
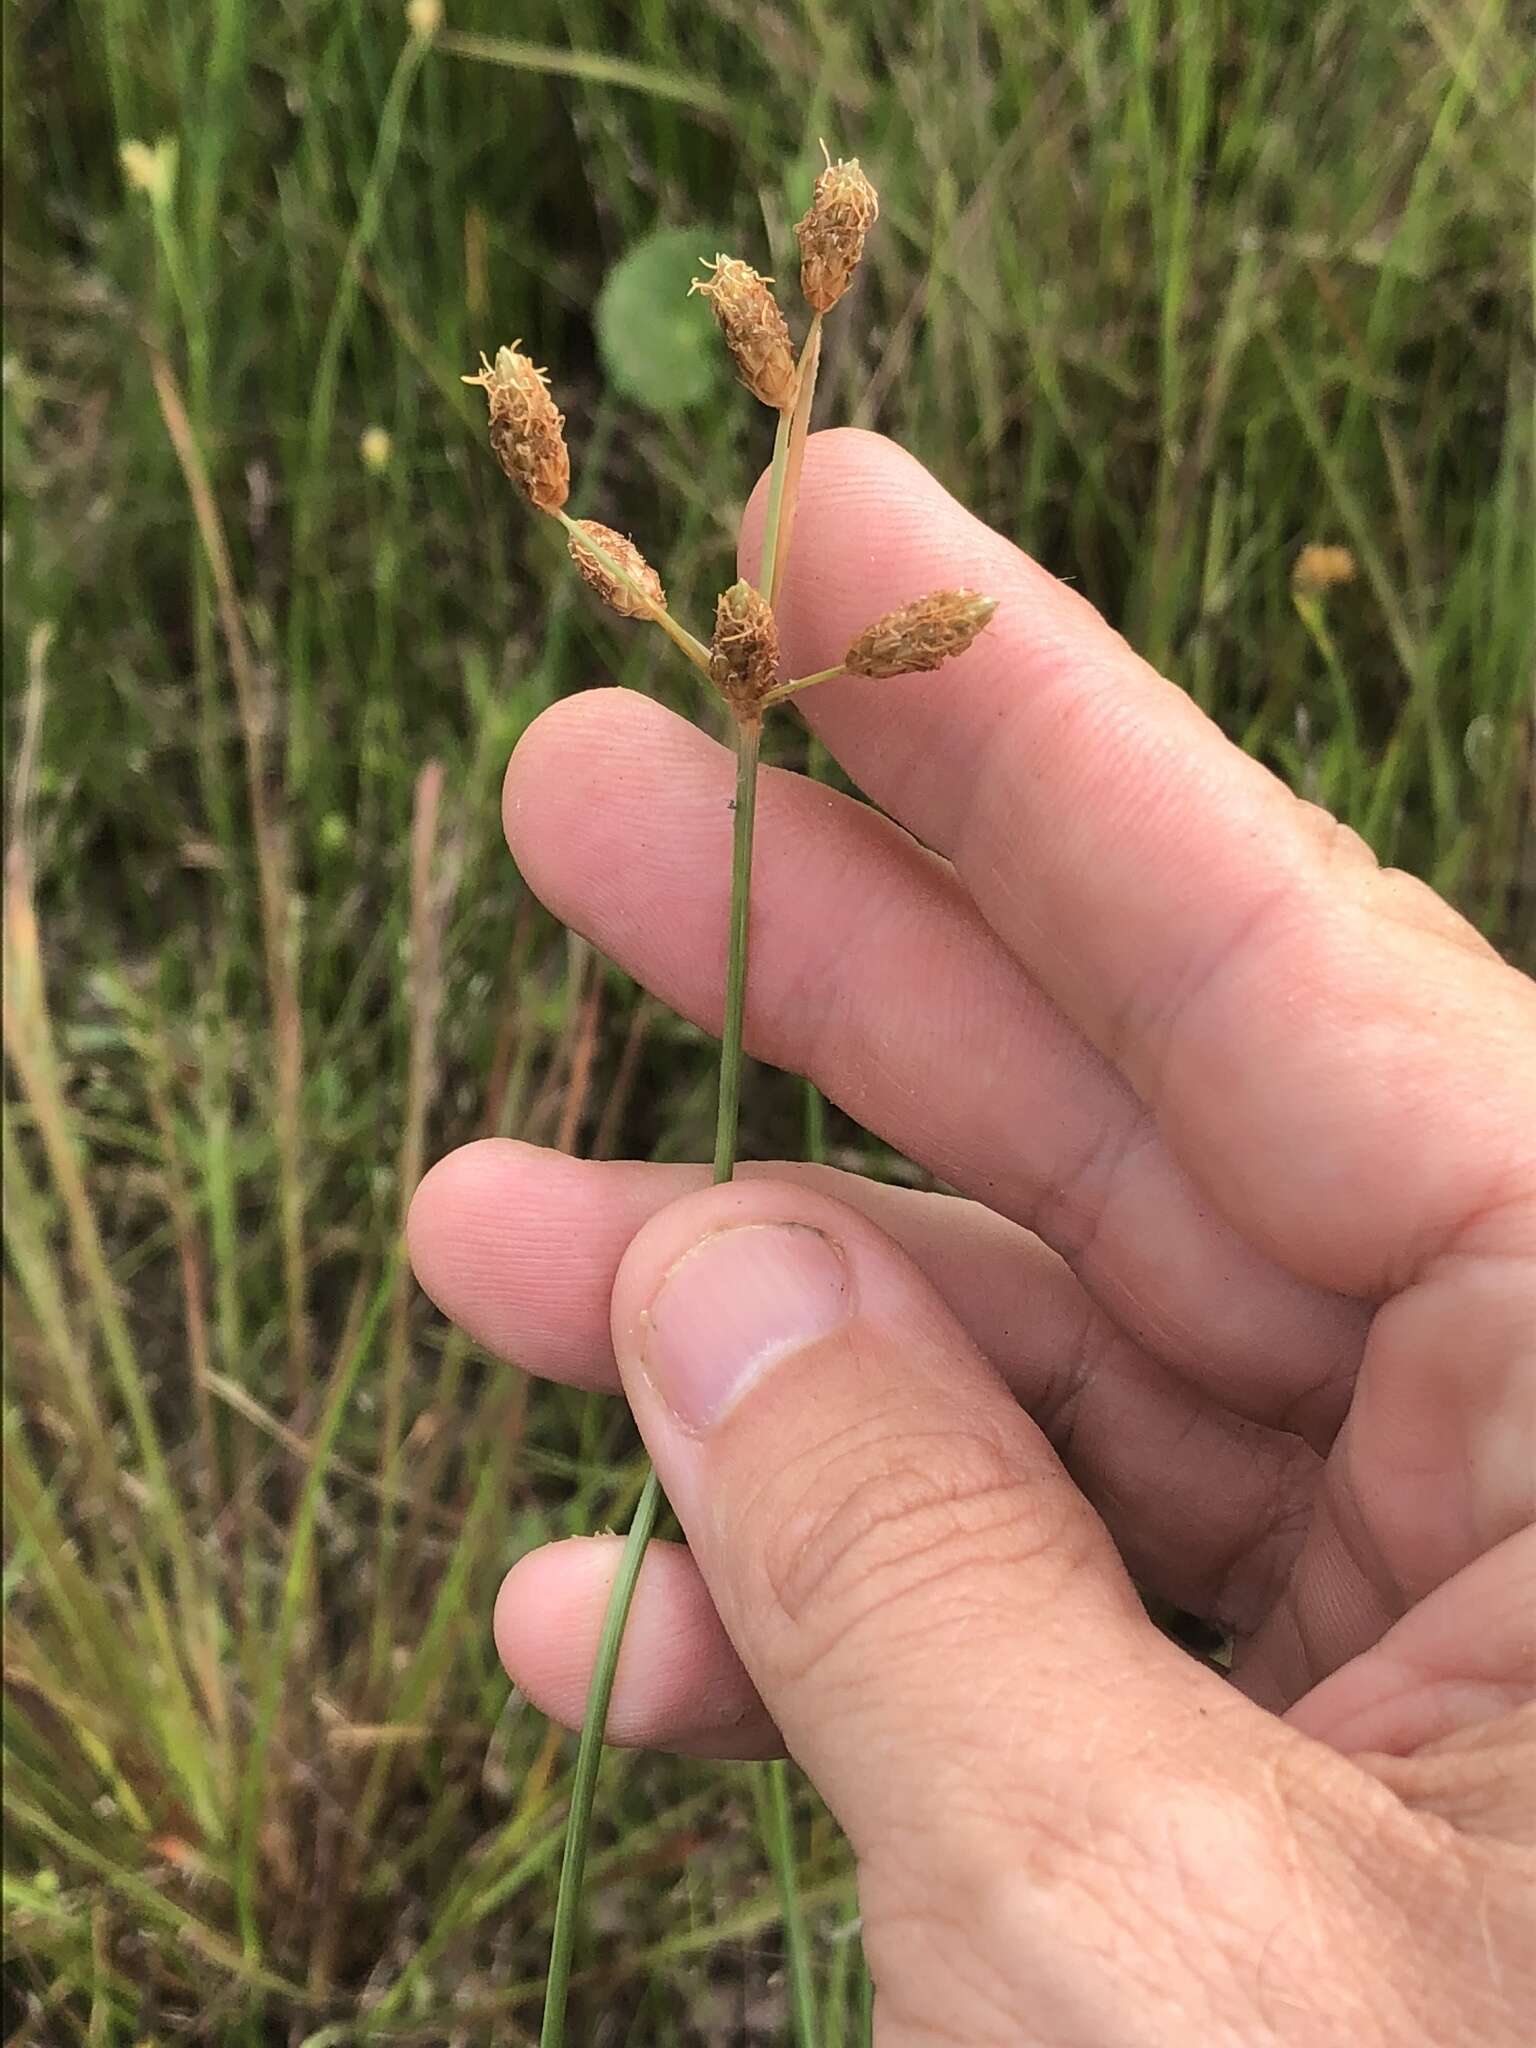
(935, 1617)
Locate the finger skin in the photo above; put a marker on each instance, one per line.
(520, 1247)
(872, 973)
(1243, 1013)
(1340, 1061)
(1342, 1065)
(1037, 1787)
(1466, 1654)
(1434, 1469)
(889, 1541)
(678, 1684)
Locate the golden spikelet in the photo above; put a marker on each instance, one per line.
(753, 327)
(1319, 568)
(527, 428)
(843, 209)
(920, 636)
(620, 549)
(744, 654)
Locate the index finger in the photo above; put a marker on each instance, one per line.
(1300, 1023)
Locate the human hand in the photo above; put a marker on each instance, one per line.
(1243, 1304)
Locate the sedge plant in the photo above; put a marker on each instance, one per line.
(741, 665)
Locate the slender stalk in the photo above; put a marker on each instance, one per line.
(815, 1107)
(768, 568)
(589, 1755)
(778, 694)
(780, 1829)
(1310, 612)
(799, 427)
(578, 1828)
(748, 741)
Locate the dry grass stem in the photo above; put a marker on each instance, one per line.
(794, 461)
(272, 866)
(429, 897)
(578, 1081)
(605, 1144)
(754, 329)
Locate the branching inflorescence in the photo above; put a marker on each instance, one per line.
(741, 662)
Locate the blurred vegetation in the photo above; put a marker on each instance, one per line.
(1167, 289)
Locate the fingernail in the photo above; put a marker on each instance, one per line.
(735, 1305)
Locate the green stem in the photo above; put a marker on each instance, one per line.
(748, 741)
(780, 691)
(310, 503)
(589, 1755)
(578, 1827)
(797, 1951)
(779, 1825)
(1310, 611)
(815, 1147)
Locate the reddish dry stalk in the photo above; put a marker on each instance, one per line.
(495, 1122)
(189, 1251)
(299, 1448)
(578, 1083)
(424, 996)
(547, 1108)
(503, 1052)
(611, 1127)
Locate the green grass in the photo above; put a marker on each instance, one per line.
(1166, 291)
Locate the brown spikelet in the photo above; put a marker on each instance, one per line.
(1319, 568)
(744, 654)
(920, 636)
(843, 209)
(753, 327)
(620, 549)
(527, 428)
